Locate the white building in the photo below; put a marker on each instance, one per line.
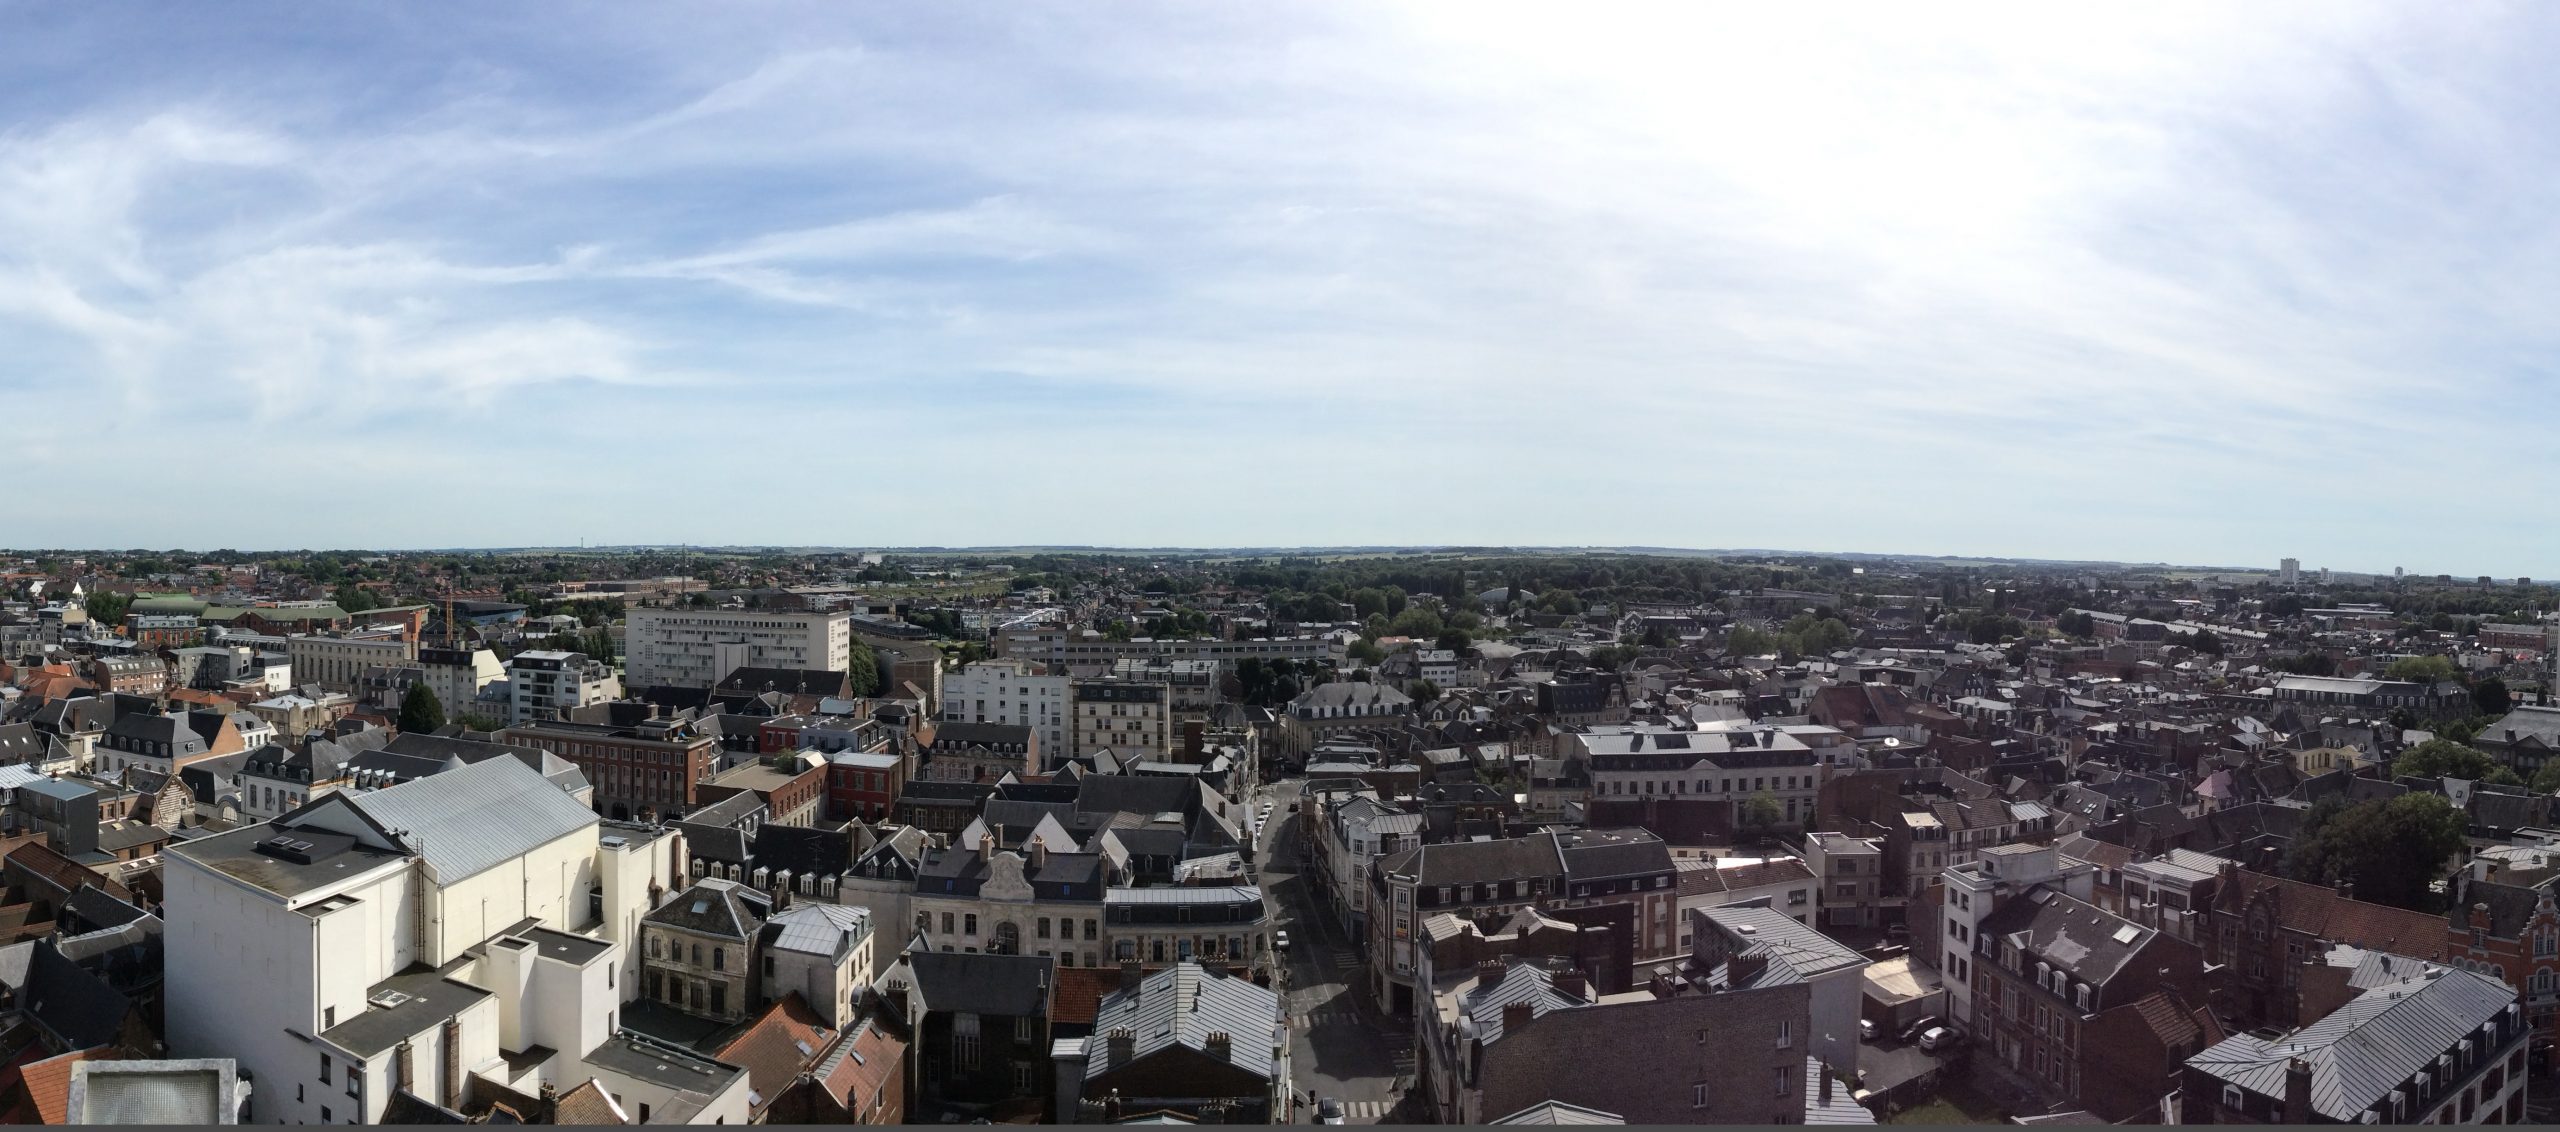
(543, 683)
(420, 938)
(456, 676)
(2289, 572)
(823, 951)
(1010, 691)
(694, 648)
(1976, 888)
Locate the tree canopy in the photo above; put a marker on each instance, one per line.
(2423, 669)
(2444, 758)
(420, 711)
(2390, 849)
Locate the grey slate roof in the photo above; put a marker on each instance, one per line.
(471, 818)
(1009, 986)
(2367, 1048)
(1181, 1006)
(1520, 984)
(818, 929)
(1795, 952)
(714, 907)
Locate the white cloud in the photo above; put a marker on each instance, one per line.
(2130, 271)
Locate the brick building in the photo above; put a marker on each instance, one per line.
(659, 767)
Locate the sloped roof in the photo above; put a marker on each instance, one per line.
(776, 1046)
(713, 907)
(816, 928)
(1181, 1006)
(2365, 1049)
(471, 818)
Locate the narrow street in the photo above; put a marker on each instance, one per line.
(1342, 1048)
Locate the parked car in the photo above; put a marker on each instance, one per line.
(1927, 1022)
(1868, 1030)
(1938, 1038)
(1280, 939)
(1329, 1111)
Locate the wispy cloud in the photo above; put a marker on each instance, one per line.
(2174, 282)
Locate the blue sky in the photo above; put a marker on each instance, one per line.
(2210, 284)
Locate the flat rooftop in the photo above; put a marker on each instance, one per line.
(235, 854)
(427, 1000)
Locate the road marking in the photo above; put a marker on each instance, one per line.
(1369, 1110)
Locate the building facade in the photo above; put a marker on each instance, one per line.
(694, 648)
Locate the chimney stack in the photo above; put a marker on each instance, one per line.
(1514, 1016)
(1123, 1046)
(1741, 969)
(1131, 974)
(1826, 1082)
(1221, 1046)
(1571, 982)
(2297, 1091)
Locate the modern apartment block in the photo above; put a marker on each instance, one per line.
(694, 648)
(1133, 719)
(544, 683)
(1010, 691)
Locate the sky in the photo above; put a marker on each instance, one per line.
(2209, 284)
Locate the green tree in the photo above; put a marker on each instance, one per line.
(2547, 780)
(474, 721)
(862, 669)
(1416, 622)
(420, 711)
(1454, 640)
(2422, 669)
(1747, 641)
(1424, 691)
(354, 598)
(2491, 697)
(2443, 758)
(1757, 815)
(107, 607)
(2390, 849)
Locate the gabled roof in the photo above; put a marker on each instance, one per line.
(1000, 985)
(787, 1038)
(1181, 1006)
(714, 907)
(831, 930)
(1795, 952)
(469, 819)
(2369, 1047)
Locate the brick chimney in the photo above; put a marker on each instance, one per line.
(1122, 1046)
(1572, 983)
(1221, 1046)
(1740, 969)
(2297, 1091)
(1132, 973)
(1826, 1082)
(1489, 971)
(1514, 1016)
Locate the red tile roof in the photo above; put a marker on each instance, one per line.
(49, 1082)
(2320, 911)
(1077, 993)
(773, 1049)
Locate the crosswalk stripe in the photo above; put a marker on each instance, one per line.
(1369, 1110)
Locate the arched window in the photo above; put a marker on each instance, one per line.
(719, 959)
(1008, 939)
